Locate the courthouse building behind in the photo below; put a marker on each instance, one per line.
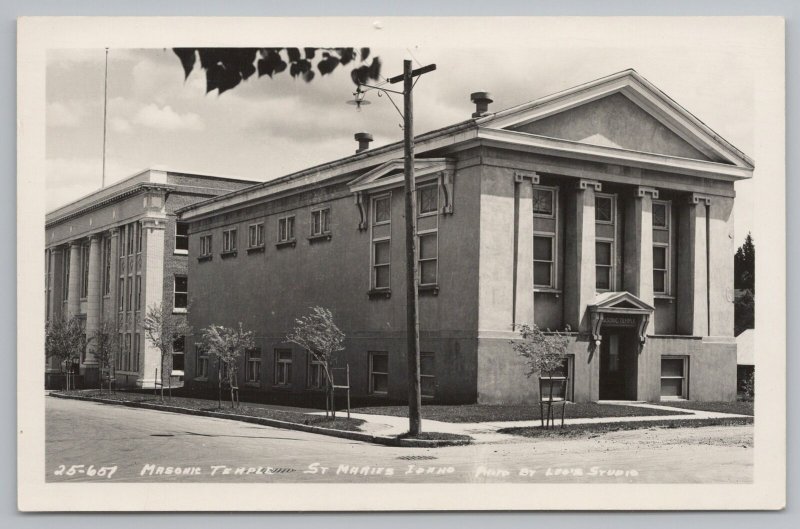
(115, 252)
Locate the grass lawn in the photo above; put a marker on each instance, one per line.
(584, 430)
(485, 413)
(297, 417)
(738, 407)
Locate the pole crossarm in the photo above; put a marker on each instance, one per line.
(414, 73)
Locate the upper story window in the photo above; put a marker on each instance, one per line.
(428, 199)
(544, 202)
(106, 266)
(662, 246)
(545, 237)
(84, 270)
(205, 244)
(229, 240)
(181, 237)
(286, 229)
(321, 221)
(605, 211)
(181, 299)
(255, 235)
(381, 207)
(138, 228)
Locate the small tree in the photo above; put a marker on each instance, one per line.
(317, 333)
(162, 328)
(65, 340)
(105, 343)
(228, 345)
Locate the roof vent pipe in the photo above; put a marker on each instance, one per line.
(363, 139)
(481, 100)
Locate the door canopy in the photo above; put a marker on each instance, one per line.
(619, 310)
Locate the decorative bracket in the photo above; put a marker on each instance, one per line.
(643, 330)
(362, 211)
(696, 198)
(446, 183)
(585, 184)
(597, 324)
(641, 191)
(519, 176)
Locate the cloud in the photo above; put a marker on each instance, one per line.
(120, 125)
(165, 118)
(68, 179)
(65, 115)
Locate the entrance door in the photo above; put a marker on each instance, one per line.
(617, 367)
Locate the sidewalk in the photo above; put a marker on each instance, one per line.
(487, 432)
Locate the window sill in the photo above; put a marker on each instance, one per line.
(256, 249)
(201, 379)
(180, 252)
(204, 258)
(544, 290)
(226, 255)
(253, 384)
(282, 386)
(431, 290)
(177, 372)
(379, 293)
(319, 238)
(665, 297)
(179, 311)
(286, 244)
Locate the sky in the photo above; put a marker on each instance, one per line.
(266, 128)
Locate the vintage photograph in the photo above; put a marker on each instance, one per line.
(404, 261)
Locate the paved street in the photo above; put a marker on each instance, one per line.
(146, 445)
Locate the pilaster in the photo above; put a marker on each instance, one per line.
(74, 294)
(579, 266)
(153, 293)
(638, 244)
(693, 271)
(523, 224)
(93, 301)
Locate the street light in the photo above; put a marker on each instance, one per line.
(412, 299)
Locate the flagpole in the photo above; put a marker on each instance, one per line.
(105, 114)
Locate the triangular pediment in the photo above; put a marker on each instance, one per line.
(622, 112)
(393, 171)
(614, 121)
(623, 302)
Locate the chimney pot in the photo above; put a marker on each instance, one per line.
(481, 100)
(363, 139)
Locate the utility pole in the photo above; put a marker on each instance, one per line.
(412, 297)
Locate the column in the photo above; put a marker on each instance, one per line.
(523, 239)
(74, 292)
(579, 266)
(692, 284)
(153, 293)
(93, 301)
(56, 285)
(638, 269)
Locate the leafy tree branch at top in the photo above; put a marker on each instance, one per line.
(226, 68)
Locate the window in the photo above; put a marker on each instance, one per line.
(106, 266)
(138, 237)
(84, 271)
(126, 361)
(660, 277)
(138, 292)
(65, 284)
(660, 215)
(674, 377)
(130, 232)
(205, 245)
(381, 206)
(428, 199)
(137, 344)
(283, 367)
(604, 264)
(286, 229)
(661, 247)
(321, 221)
(129, 295)
(381, 264)
(121, 292)
(428, 253)
(181, 293)
(254, 365)
(201, 370)
(379, 373)
(122, 232)
(316, 373)
(543, 255)
(427, 374)
(557, 378)
(255, 235)
(605, 240)
(604, 209)
(178, 353)
(118, 355)
(229, 240)
(181, 237)
(543, 202)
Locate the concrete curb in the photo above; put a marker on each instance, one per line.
(276, 423)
